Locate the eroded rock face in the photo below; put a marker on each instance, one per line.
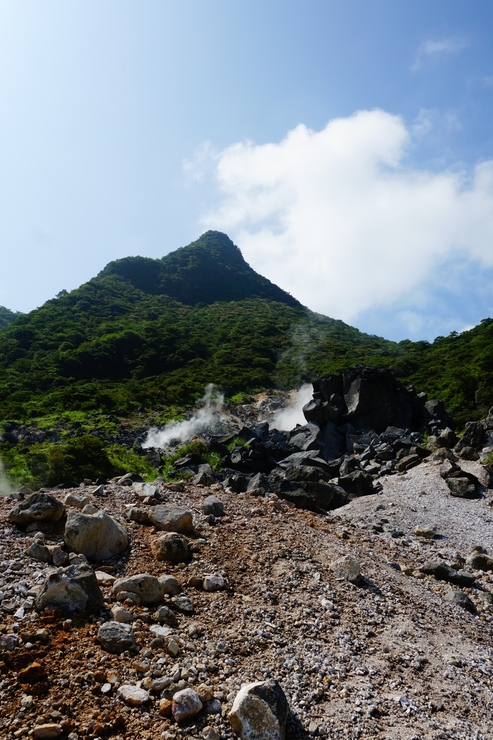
(73, 590)
(260, 711)
(38, 507)
(97, 536)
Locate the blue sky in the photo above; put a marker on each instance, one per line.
(346, 147)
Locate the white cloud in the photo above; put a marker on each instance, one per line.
(335, 217)
(431, 49)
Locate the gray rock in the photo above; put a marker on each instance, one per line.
(357, 483)
(170, 584)
(348, 569)
(204, 478)
(186, 704)
(183, 604)
(259, 480)
(164, 615)
(171, 547)
(171, 519)
(407, 462)
(468, 453)
(461, 599)
(485, 477)
(39, 551)
(260, 711)
(73, 590)
(38, 507)
(447, 438)
(147, 587)
(144, 490)
(97, 536)
(122, 615)
(212, 505)
(462, 487)
(116, 637)
(133, 695)
(9, 642)
(214, 583)
(78, 502)
(449, 469)
(480, 560)
(443, 572)
(138, 514)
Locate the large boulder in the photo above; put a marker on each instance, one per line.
(38, 507)
(375, 399)
(73, 590)
(260, 712)
(319, 497)
(171, 519)
(97, 536)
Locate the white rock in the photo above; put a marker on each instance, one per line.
(133, 695)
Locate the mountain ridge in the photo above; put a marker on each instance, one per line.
(151, 333)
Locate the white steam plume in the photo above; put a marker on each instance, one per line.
(5, 485)
(206, 417)
(287, 418)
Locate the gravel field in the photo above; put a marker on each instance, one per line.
(388, 658)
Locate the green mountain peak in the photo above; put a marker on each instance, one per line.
(208, 270)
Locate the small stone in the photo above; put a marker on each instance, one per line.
(8, 643)
(78, 502)
(90, 509)
(170, 547)
(212, 505)
(172, 647)
(122, 615)
(461, 599)
(47, 731)
(171, 519)
(214, 583)
(147, 587)
(115, 637)
(260, 712)
(39, 551)
(427, 533)
(348, 569)
(129, 598)
(170, 585)
(160, 630)
(183, 604)
(204, 692)
(133, 695)
(209, 733)
(185, 704)
(164, 615)
(165, 706)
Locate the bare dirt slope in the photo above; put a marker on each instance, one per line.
(387, 659)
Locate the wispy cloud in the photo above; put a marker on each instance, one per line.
(431, 49)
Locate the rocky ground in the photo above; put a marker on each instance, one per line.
(389, 657)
